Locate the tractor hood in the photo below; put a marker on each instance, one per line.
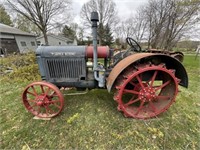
(61, 51)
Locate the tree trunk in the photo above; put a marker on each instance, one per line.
(154, 44)
(45, 38)
(100, 41)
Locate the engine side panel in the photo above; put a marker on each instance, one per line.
(171, 63)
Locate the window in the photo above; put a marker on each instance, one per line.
(38, 43)
(32, 43)
(23, 43)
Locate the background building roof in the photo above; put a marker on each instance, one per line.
(11, 30)
(60, 37)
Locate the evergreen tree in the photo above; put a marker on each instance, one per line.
(4, 17)
(107, 38)
(69, 32)
(100, 33)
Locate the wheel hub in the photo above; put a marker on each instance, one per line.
(42, 100)
(147, 94)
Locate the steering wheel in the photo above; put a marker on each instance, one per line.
(136, 47)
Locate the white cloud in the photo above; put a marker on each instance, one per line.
(128, 7)
(124, 7)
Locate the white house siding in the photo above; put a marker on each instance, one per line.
(26, 43)
(52, 41)
(56, 40)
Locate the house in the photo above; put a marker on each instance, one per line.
(15, 40)
(55, 40)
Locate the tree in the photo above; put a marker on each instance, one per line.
(169, 20)
(182, 19)
(80, 36)
(5, 18)
(107, 14)
(107, 39)
(134, 26)
(26, 25)
(69, 32)
(139, 25)
(41, 12)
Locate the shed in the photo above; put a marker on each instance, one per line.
(15, 40)
(56, 40)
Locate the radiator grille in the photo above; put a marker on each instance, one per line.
(66, 68)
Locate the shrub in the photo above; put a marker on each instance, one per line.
(21, 67)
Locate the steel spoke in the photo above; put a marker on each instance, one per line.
(54, 101)
(152, 106)
(34, 90)
(163, 97)
(132, 101)
(31, 100)
(31, 106)
(53, 94)
(47, 91)
(56, 105)
(130, 91)
(163, 85)
(140, 81)
(147, 82)
(39, 109)
(31, 93)
(153, 78)
(131, 82)
(141, 106)
(41, 86)
(49, 110)
(46, 111)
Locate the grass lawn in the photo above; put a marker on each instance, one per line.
(92, 121)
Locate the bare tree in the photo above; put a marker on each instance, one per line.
(135, 26)
(120, 32)
(107, 14)
(182, 19)
(26, 25)
(139, 26)
(169, 20)
(156, 13)
(41, 12)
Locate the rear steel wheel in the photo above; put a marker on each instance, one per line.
(146, 91)
(43, 99)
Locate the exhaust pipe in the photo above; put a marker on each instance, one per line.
(97, 69)
(94, 19)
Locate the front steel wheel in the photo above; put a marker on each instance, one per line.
(43, 99)
(146, 91)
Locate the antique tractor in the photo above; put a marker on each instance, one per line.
(144, 82)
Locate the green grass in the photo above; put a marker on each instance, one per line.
(92, 121)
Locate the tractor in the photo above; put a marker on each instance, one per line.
(144, 82)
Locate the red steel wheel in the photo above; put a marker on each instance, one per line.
(43, 99)
(147, 91)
